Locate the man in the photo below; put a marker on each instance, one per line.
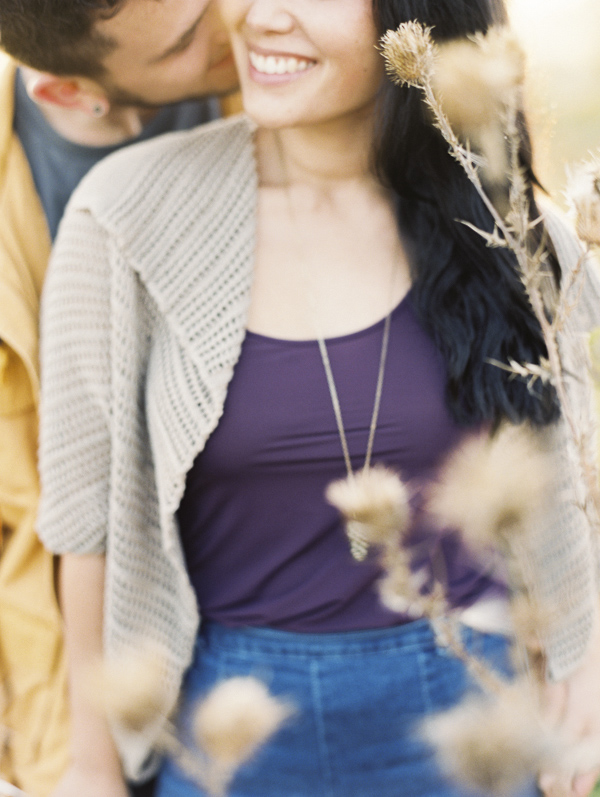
(95, 75)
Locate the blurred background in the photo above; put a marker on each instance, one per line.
(562, 40)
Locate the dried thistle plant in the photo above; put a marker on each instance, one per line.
(512, 230)
(475, 81)
(448, 92)
(492, 744)
(131, 689)
(583, 194)
(229, 725)
(466, 82)
(491, 488)
(374, 505)
(409, 53)
(532, 621)
(236, 718)
(471, 83)
(400, 589)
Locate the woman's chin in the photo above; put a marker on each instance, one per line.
(271, 120)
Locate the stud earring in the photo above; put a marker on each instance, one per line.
(98, 110)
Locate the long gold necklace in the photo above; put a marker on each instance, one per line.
(359, 543)
(372, 501)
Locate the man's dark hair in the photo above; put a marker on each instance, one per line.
(57, 36)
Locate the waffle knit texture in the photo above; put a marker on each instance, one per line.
(143, 320)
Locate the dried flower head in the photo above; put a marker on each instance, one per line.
(491, 745)
(236, 718)
(409, 53)
(400, 589)
(374, 504)
(583, 193)
(492, 487)
(475, 81)
(131, 689)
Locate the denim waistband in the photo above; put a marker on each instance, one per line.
(411, 636)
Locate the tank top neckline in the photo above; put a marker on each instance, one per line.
(258, 336)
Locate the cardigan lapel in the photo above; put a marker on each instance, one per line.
(196, 263)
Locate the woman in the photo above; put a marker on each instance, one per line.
(222, 311)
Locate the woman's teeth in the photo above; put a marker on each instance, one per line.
(278, 65)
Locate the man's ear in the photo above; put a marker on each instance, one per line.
(72, 93)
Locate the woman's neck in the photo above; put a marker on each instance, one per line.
(320, 156)
(328, 259)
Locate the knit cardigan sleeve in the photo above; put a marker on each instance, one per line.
(76, 391)
(144, 315)
(566, 559)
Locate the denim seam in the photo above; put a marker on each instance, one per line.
(252, 641)
(321, 737)
(425, 692)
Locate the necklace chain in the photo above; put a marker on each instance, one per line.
(325, 354)
(336, 402)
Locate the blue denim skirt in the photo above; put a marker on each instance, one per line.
(359, 698)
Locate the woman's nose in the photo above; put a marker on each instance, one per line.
(271, 16)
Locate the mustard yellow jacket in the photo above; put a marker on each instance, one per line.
(34, 732)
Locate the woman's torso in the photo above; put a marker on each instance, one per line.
(263, 546)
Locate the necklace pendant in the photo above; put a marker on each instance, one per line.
(374, 504)
(358, 539)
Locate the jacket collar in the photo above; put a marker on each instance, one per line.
(180, 214)
(8, 70)
(24, 237)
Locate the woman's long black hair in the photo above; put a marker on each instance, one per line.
(469, 296)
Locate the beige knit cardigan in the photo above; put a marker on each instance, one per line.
(144, 315)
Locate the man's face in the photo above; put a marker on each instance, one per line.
(166, 51)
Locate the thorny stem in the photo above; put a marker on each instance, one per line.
(513, 233)
(445, 624)
(465, 158)
(191, 762)
(448, 633)
(515, 239)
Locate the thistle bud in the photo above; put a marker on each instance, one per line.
(492, 487)
(235, 719)
(131, 689)
(491, 744)
(409, 53)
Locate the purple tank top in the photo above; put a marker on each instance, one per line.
(262, 545)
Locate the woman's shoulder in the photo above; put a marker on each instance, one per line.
(573, 258)
(562, 234)
(166, 171)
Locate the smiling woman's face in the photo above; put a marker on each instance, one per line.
(304, 62)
